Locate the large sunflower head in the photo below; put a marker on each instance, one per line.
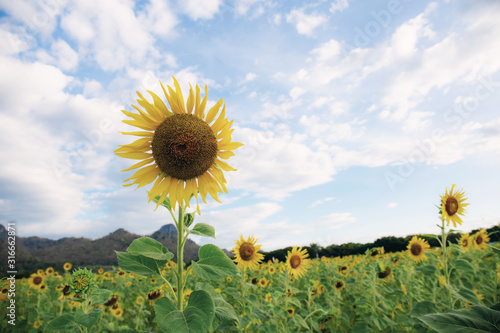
(417, 248)
(452, 206)
(481, 238)
(246, 253)
(36, 280)
(465, 242)
(296, 261)
(180, 148)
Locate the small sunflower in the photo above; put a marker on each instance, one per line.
(3, 293)
(49, 271)
(36, 280)
(385, 274)
(67, 266)
(269, 298)
(263, 282)
(117, 313)
(291, 312)
(481, 239)
(184, 145)
(246, 253)
(417, 248)
(81, 281)
(296, 261)
(466, 242)
(37, 324)
(452, 205)
(139, 300)
(112, 300)
(154, 295)
(339, 285)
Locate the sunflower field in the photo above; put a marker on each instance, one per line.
(375, 292)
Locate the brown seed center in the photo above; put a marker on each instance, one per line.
(479, 239)
(295, 261)
(184, 146)
(247, 251)
(37, 280)
(465, 242)
(451, 206)
(416, 249)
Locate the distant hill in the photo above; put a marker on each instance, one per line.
(33, 253)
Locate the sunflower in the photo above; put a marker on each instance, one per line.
(117, 313)
(3, 293)
(49, 271)
(37, 324)
(184, 145)
(263, 282)
(385, 274)
(481, 238)
(339, 285)
(296, 261)
(112, 300)
(67, 266)
(246, 253)
(290, 311)
(139, 300)
(452, 205)
(36, 280)
(81, 281)
(269, 298)
(417, 248)
(442, 280)
(154, 295)
(465, 242)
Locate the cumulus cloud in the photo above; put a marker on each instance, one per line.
(305, 23)
(200, 9)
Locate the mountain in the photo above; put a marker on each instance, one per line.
(33, 253)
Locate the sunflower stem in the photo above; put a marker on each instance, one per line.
(180, 250)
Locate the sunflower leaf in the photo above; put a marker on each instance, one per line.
(203, 229)
(100, 296)
(197, 317)
(213, 263)
(88, 319)
(165, 203)
(188, 219)
(478, 319)
(150, 248)
(64, 322)
(139, 264)
(495, 249)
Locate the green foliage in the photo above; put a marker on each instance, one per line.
(213, 263)
(476, 319)
(196, 318)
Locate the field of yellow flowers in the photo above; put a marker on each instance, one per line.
(375, 292)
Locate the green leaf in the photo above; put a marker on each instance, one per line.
(203, 229)
(427, 269)
(495, 249)
(464, 294)
(64, 322)
(299, 320)
(463, 265)
(430, 236)
(423, 308)
(477, 319)
(197, 317)
(188, 219)
(150, 248)
(88, 319)
(165, 203)
(223, 310)
(99, 296)
(213, 263)
(139, 264)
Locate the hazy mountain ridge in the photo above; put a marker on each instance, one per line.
(35, 252)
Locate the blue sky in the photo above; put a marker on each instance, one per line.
(356, 115)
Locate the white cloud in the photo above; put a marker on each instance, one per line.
(320, 202)
(339, 5)
(196, 9)
(305, 23)
(392, 204)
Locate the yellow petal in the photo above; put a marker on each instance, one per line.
(135, 156)
(139, 133)
(172, 192)
(201, 107)
(220, 122)
(225, 154)
(190, 101)
(219, 177)
(148, 178)
(213, 111)
(161, 187)
(143, 125)
(229, 146)
(223, 165)
(159, 104)
(162, 198)
(143, 171)
(178, 91)
(141, 163)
